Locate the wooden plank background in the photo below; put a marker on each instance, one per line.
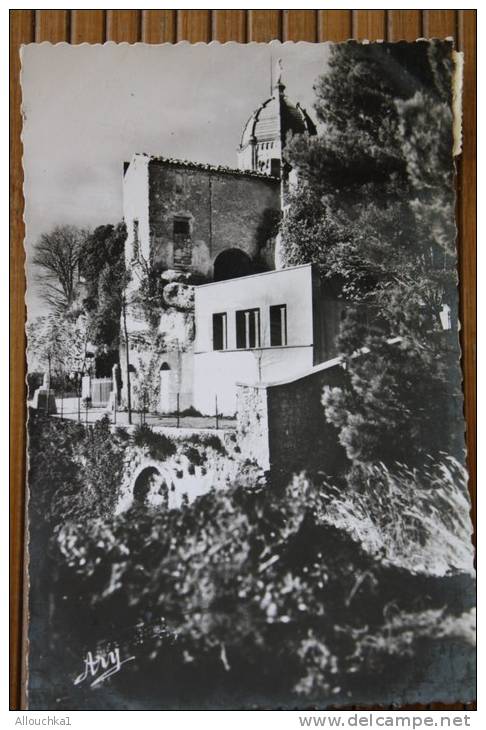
(158, 26)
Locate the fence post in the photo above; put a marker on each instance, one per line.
(114, 410)
(216, 410)
(79, 401)
(87, 406)
(178, 411)
(62, 404)
(49, 386)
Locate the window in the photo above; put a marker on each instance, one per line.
(220, 331)
(278, 325)
(181, 227)
(247, 329)
(179, 184)
(275, 167)
(182, 242)
(136, 240)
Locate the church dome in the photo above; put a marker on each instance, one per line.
(265, 133)
(275, 118)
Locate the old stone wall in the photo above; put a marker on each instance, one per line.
(252, 424)
(197, 465)
(299, 435)
(224, 210)
(282, 426)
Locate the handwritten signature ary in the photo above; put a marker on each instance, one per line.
(107, 663)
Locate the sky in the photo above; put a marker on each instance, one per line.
(88, 108)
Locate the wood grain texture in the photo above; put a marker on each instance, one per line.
(264, 25)
(299, 25)
(123, 26)
(22, 30)
(158, 26)
(229, 25)
(404, 25)
(194, 25)
(467, 237)
(52, 25)
(88, 26)
(335, 25)
(369, 25)
(439, 24)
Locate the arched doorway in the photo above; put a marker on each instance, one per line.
(165, 388)
(232, 263)
(150, 488)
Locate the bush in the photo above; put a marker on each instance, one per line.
(415, 519)
(74, 472)
(159, 445)
(248, 582)
(191, 411)
(219, 595)
(195, 457)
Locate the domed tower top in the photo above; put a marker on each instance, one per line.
(265, 133)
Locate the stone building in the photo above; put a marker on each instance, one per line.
(212, 222)
(192, 224)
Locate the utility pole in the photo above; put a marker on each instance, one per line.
(125, 332)
(48, 383)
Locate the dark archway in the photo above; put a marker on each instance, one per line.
(148, 484)
(232, 263)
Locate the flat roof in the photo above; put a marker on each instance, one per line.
(252, 276)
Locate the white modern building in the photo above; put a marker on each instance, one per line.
(259, 328)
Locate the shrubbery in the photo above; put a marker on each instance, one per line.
(240, 584)
(159, 445)
(74, 472)
(415, 519)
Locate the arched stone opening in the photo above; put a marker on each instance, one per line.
(232, 263)
(166, 388)
(150, 488)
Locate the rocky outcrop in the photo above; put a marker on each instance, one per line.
(171, 275)
(179, 295)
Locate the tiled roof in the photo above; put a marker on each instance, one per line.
(208, 168)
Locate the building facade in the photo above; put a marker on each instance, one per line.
(259, 329)
(209, 221)
(206, 239)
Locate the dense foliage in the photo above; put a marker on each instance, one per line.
(374, 210)
(75, 472)
(215, 598)
(56, 343)
(103, 269)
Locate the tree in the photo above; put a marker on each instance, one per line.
(58, 254)
(373, 209)
(103, 269)
(57, 344)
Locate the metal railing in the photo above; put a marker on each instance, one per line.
(87, 411)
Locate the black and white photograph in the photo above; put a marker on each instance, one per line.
(247, 483)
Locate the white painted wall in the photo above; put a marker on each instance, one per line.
(217, 372)
(292, 286)
(136, 205)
